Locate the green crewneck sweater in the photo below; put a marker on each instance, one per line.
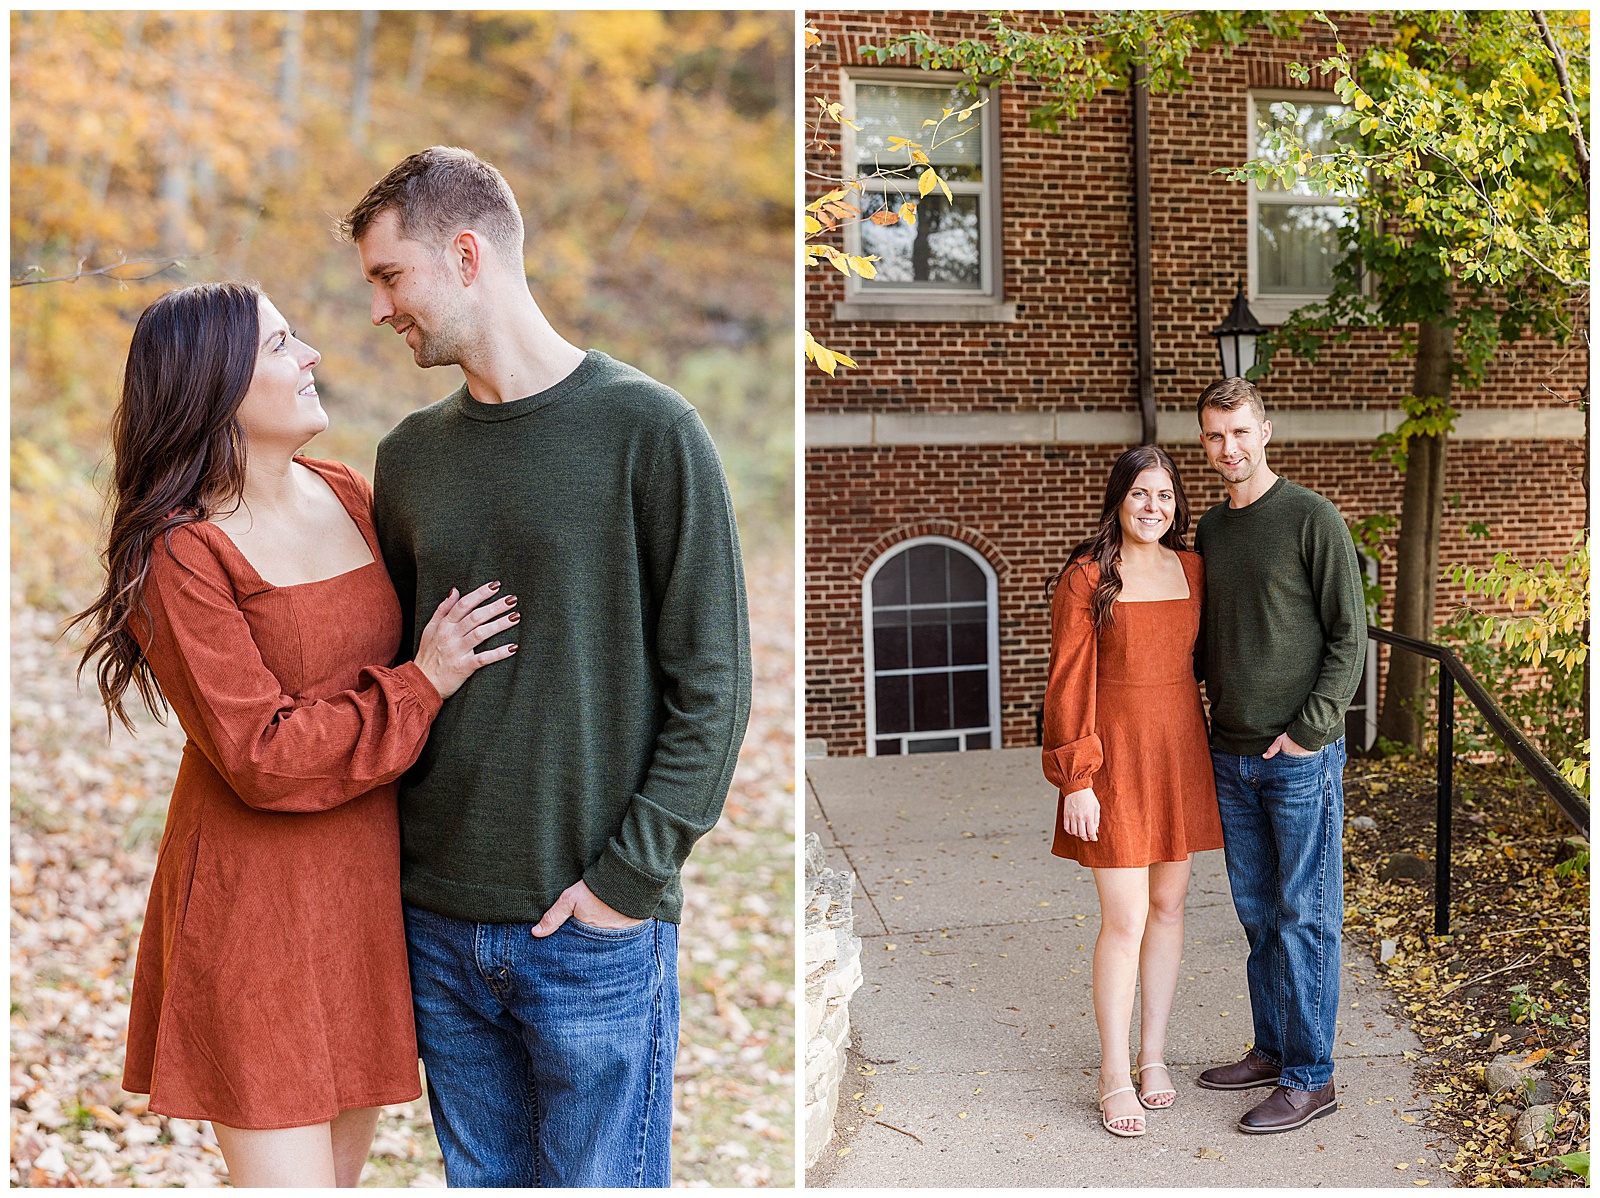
(604, 747)
(1286, 622)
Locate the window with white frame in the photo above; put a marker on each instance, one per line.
(1296, 237)
(948, 251)
(930, 609)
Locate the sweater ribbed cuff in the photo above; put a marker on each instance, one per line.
(623, 888)
(1307, 737)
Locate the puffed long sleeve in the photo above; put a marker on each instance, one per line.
(277, 753)
(1072, 751)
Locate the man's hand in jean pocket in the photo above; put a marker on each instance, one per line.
(579, 902)
(1289, 748)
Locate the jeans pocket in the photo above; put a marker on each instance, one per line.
(589, 929)
(1283, 755)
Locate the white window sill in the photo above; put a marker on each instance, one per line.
(1275, 309)
(981, 310)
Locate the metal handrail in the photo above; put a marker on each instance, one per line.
(1572, 804)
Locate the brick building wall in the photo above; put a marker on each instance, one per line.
(1067, 257)
(1024, 507)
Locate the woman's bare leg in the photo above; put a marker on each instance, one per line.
(294, 1157)
(1159, 956)
(352, 1140)
(1124, 902)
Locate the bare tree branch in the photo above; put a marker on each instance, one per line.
(1566, 91)
(162, 266)
(1517, 964)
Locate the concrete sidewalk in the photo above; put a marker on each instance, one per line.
(974, 1026)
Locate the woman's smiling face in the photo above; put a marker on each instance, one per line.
(281, 404)
(1147, 509)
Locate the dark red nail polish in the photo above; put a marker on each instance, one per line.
(510, 600)
(513, 648)
(494, 586)
(515, 616)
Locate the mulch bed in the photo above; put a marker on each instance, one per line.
(1511, 977)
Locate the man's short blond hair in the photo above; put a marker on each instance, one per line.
(438, 192)
(1229, 395)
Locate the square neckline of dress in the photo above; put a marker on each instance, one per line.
(314, 465)
(1189, 594)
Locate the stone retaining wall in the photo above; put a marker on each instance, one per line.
(833, 971)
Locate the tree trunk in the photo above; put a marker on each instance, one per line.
(361, 91)
(202, 174)
(1417, 564)
(643, 192)
(421, 44)
(564, 75)
(100, 176)
(175, 196)
(240, 47)
(294, 37)
(175, 189)
(1583, 479)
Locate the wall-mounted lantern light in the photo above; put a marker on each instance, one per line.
(1236, 337)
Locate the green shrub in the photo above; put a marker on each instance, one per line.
(1545, 702)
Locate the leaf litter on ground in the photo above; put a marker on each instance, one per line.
(87, 816)
(1511, 977)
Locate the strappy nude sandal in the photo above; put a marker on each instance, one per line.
(1118, 1131)
(1156, 1106)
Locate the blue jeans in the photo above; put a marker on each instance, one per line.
(549, 1062)
(1282, 835)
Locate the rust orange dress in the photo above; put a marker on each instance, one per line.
(271, 988)
(1122, 714)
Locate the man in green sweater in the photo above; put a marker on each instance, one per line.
(544, 827)
(1285, 637)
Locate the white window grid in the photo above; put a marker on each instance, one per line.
(1277, 306)
(987, 191)
(991, 603)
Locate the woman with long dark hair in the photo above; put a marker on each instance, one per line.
(1125, 743)
(245, 591)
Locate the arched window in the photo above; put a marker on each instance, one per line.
(930, 611)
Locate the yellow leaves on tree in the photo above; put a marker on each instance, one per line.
(825, 358)
(1553, 594)
(228, 139)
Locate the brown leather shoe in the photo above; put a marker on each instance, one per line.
(1247, 1074)
(1286, 1109)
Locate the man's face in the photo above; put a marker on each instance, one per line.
(1235, 442)
(414, 292)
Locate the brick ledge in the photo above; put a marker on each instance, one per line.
(1112, 428)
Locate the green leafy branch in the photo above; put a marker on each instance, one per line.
(1486, 161)
(1425, 416)
(1555, 595)
(1074, 59)
(1465, 165)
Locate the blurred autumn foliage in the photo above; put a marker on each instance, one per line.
(652, 154)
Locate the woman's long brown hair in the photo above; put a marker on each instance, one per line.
(179, 455)
(1104, 548)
